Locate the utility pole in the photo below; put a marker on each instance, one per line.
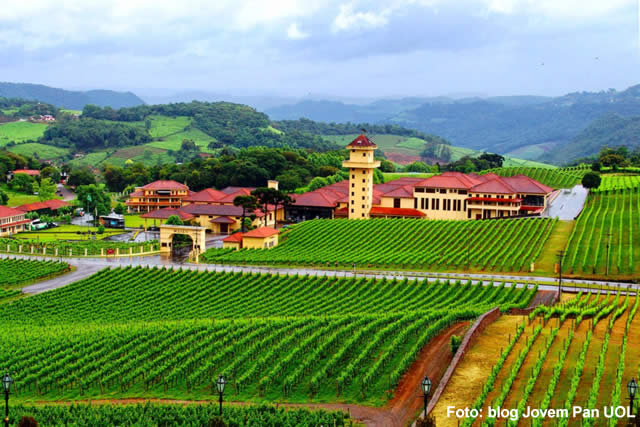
(560, 255)
(608, 244)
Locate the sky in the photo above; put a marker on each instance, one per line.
(373, 48)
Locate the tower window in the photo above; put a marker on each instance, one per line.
(364, 154)
(362, 206)
(353, 176)
(353, 193)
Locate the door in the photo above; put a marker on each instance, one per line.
(224, 228)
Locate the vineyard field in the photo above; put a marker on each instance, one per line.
(605, 238)
(578, 353)
(554, 178)
(178, 415)
(617, 183)
(14, 272)
(501, 246)
(275, 337)
(73, 248)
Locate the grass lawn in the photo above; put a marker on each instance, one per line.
(134, 221)
(174, 142)
(44, 152)
(557, 241)
(389, 176)
(17, 199)
(164, 126)
(91, 159)
(20, 132)
(65, 232)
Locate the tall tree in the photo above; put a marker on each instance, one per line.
(280, 198)
(94, 199)
(266, 196)
(46, 189)
(248, 205)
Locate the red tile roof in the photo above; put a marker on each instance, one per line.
(208, 195)
(380, 211)
(361, 142)
(525, 184)
(261, 232)
(456, 180)
(165, 213)
(244, 190)
(493, 186)
(217, 210)
(32, 172)
(52, 204)
(165, 184)
(234, 238)
(223, 220)
(7, 212)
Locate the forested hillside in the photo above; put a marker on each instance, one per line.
(521, 126)
(74, 100)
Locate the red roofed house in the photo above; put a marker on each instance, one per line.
(233, 242)
(12, 221)
(157, 195)
(30, 172)
(43, 207)
(260, 238)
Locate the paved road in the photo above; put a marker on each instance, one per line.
(568, 204)
(67, 195)
(88, 266)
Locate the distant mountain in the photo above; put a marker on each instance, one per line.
(610, 130)
(73, 100)
(531, 126)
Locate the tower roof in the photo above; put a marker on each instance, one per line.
(362, 142)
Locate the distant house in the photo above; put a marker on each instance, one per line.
(30, 172)
(157, 195)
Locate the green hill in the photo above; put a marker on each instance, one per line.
(74, 100)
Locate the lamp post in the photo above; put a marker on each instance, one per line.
(220, 383)
(632, 388)
(426, 388)
(6, 385)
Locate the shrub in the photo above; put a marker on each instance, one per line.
(455, 343)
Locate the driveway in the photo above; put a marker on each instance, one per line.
(568, 205)
(67, 195)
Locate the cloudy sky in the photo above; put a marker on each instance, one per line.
(347, 48)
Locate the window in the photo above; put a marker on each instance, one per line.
(364, 180)
(362, 197)
(353, 202)
(362, 188)
(419, 190)
(362, 215)
(429, 190)
(462, 191)
(364, 154)
(353, 151)
(362, 206)
(353, 185)
(415, 203)
(396, 203)
(443, 191)
(353, 176)
(353, 193)
(351, 210)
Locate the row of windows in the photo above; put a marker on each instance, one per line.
(439, 190)
(447, 204)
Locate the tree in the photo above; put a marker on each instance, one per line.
(387, 166)
(591, 180)
(46, 189)
(595, 166)
(120, 209)
(114, 178)
(4, 198)
(94, 200)
(266, 196)
(81, 176)
(174, 220)
(280, 198)
(22, 182)
(50, 172)
(248, 204)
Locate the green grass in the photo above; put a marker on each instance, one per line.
(90, 159)
(78, 112)
(162, 126)
(20, 131)
(17, 199)
(174, 142)
(66, 232)
(274, 130)
(134, 221)
(389, 176)
(45, 152)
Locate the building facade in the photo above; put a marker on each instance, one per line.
(12, 221)
(361, 165)
(157, 195)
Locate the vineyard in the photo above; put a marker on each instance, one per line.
(555, 178)
(578, 353)
(507, 245)
(293, 337)
(75, 248)
(605, 236)
(617, 183)
(175, 415)
(19, 271)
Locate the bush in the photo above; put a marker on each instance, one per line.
(455, 343)
(101, 229)
(591, 180)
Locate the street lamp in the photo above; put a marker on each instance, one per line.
(632, 388)
(220, 383)
(426, 388)
(6, 385)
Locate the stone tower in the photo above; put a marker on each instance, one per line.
(361, 165)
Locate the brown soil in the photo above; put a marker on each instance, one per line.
(399, 412)
(542, 298)
(402, 159)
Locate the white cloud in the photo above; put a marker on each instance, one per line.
(561, 9)
(349, 20)
(294, 33)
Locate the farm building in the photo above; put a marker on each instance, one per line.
(12, 221)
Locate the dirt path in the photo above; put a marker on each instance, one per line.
(399, 412)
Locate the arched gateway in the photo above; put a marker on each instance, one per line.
(197, 235)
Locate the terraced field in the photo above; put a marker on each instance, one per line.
(507, 245)
(554, 178)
